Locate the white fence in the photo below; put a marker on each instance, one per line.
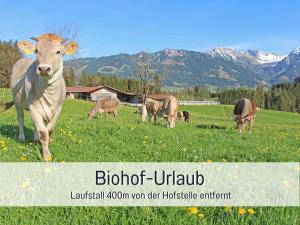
(199, 102)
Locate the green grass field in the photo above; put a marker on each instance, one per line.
(210, 135)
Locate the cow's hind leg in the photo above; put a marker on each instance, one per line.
(20, 115)
(36, 135)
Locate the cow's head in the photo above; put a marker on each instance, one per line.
(240, 122)
(171, 120)
(50, 50)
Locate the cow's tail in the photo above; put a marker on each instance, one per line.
(6, 105)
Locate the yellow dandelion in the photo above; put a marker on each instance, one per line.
(201, 216)
(251, 211)
(23, 158)
(25, 184)
(192, 210)
(242, 211)
(227, 208)
(209, 161)
(286, 184)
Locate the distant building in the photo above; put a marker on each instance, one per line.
(101, 92)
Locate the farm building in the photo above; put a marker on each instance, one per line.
(101, 92)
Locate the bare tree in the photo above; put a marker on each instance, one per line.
(145, 75)
(67, 31)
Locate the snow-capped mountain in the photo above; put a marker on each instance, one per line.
(221, 67)
(287, 69)
(263, 57)
(249, 56)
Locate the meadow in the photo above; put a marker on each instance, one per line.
(209, 137)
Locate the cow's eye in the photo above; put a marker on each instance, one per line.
(58, 52)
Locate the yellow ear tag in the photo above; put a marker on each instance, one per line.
(28, 51)
(70, 51)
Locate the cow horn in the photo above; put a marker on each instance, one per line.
(64, 40)
(35, 38)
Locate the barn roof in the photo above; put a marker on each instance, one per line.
(89, 90)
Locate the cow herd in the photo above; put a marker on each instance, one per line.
(38, 87)
(244, 111)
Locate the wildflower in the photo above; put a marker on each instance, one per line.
(192, 210)
(201, 216)
(209, 161)
(286, 184)
(227, 208)
(251, 211)
(242, 211)
(25, 184)
(23, 158)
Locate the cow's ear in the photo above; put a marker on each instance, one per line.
(26, 47)
(71, 48)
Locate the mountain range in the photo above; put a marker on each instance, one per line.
(220, 67)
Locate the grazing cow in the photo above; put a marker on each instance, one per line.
(105, 106)
(244, 113)
(179, 116)
(38, 85)
(170, 108)
(153, 108)
(186, 116)
(139, 109)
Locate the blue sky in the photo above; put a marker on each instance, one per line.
(109, 27)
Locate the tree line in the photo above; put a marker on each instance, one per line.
(281, 97)
(9, 54)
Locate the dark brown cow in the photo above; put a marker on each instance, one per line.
(244, 113)
(186, 116)
(105, 106)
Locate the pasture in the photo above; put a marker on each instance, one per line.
(210, 136)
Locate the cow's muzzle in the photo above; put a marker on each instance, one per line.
(44, 70)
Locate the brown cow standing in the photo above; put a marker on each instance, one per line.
(105, 106)
(244, 113)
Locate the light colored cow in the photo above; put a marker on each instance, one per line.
(38, 85)
(170, 108)
(179, 116)
(244, 113)
(154, 108)
(105, 106)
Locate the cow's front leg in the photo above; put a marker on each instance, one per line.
(42, 132)
(52, 122)
(20, 115)
(251, 124)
